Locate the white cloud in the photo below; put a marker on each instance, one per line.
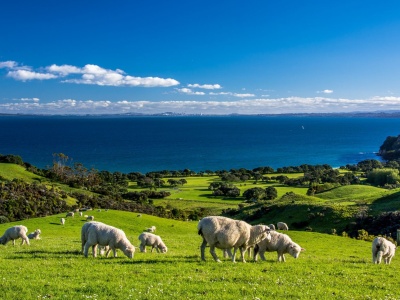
(89, 74)
(28, 99)
(64, 69)
(8, 64)
(190, 92)
(242, 106)
(205, 86)
(325, 92)
(233, 94)
(25, 75)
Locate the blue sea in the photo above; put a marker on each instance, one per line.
(198, 143)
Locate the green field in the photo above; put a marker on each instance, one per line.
(54, 268)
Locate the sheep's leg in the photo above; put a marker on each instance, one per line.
(202, 249)
(283, 257)
(86, 249)
(108, 252)
(234, 254)
(115, 252)
(158, 251)
(214, 255)
(243, 251)
(13, 242)
(262, 255)
(94, 250)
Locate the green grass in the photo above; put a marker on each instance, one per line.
(54, 268)
(11, 171)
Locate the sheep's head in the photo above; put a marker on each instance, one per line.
(294, 250)
(129, 251)
(163, 249)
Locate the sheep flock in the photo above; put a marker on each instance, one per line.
(217, 232)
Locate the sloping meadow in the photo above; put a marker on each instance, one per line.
(54, 267)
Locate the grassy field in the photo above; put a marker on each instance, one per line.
(53, 267)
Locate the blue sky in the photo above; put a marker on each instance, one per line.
(210, 57)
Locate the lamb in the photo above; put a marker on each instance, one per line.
(382, 248)
(282, 226)
(225, 233)
(149, 239)
(151, 229)
(62, 220)
(90, 218)
(70, 214)
(271, 226)
(279, 242)
(35, 235)
(13, 233)
(97, 233)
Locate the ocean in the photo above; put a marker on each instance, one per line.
(199, 143)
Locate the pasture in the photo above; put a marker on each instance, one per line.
(332, 267)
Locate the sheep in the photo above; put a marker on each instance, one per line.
(282, 226)
(97, 233)
(271, 226)
(151, 229)
(90, 218)
(13, 233)
(224, 233)
(149, 239)
(279, 242)
(80, 214)
(382, 248)
(70, 214)
(62, 221)
(103, 250)
(35, 235)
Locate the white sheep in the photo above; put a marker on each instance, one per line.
(155, 241)
(90, 218)
(271, 226)
(382, 248)
(80, 214)
(279, 242)
(14, 233)
(151, 229)
(62, 221)
(70, 214)
(224, 233)
(35, 235)
(96, 233)
(282, 226)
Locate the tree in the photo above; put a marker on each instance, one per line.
(381, 177)
(254, 194)
(271, 193)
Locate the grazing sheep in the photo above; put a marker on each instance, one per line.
(14, 233)
(35, 235)
(70, 214)
(149, 239)
(90, 218)
(279, 242)
(62, 221)
(282, 226)
(271, 226)
(96, 233)
(151, 229)
(224, 233)
(382, 248)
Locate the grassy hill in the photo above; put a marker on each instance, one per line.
(54, 268)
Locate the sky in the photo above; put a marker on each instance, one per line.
(199, 57)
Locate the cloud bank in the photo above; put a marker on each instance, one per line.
(243, 106)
